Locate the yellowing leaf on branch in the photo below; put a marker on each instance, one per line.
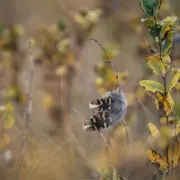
(171, 120)
(154, 131)
(175, 80)
(176, 153)
(172, 153)
(156, 65)
(156, 159)
(168, 43)
(167, 24)
(167, 62)
(163, 103)
(166, 28)
(152, 86)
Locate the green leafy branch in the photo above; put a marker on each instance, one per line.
(161, 32)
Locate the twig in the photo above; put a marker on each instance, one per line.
(109, 61)
(105, 141)
(27, 115)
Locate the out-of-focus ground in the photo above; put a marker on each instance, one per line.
(70, 158)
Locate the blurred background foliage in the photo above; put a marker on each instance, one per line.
(69, 72)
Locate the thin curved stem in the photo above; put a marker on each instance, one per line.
(109, 61)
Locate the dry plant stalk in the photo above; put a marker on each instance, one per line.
(27, 118)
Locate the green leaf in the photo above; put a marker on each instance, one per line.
(151, 7)
(156, 65)
(152, 86)
(168, 42)
(175, 79)
(61, 25)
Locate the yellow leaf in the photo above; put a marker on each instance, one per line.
(48, 101)
(178, 86)
(167, 24)
(153, 130)
(19, 29)
(172, 153)
(156, 65)
(8, 122)
(70, 58)
(123, 75)
(171, 120)
(157, 160)
(99, 81)
(6, 139)
(166, 132)
(63, 45)
(80, 20)
(111, 52)
(9, 107)
(175, 80)
(168, 42)
(62, 70)
(93, 15)
(176, 153)
(164, 104)
(166, 59)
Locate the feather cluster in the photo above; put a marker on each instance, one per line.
(107, 111)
